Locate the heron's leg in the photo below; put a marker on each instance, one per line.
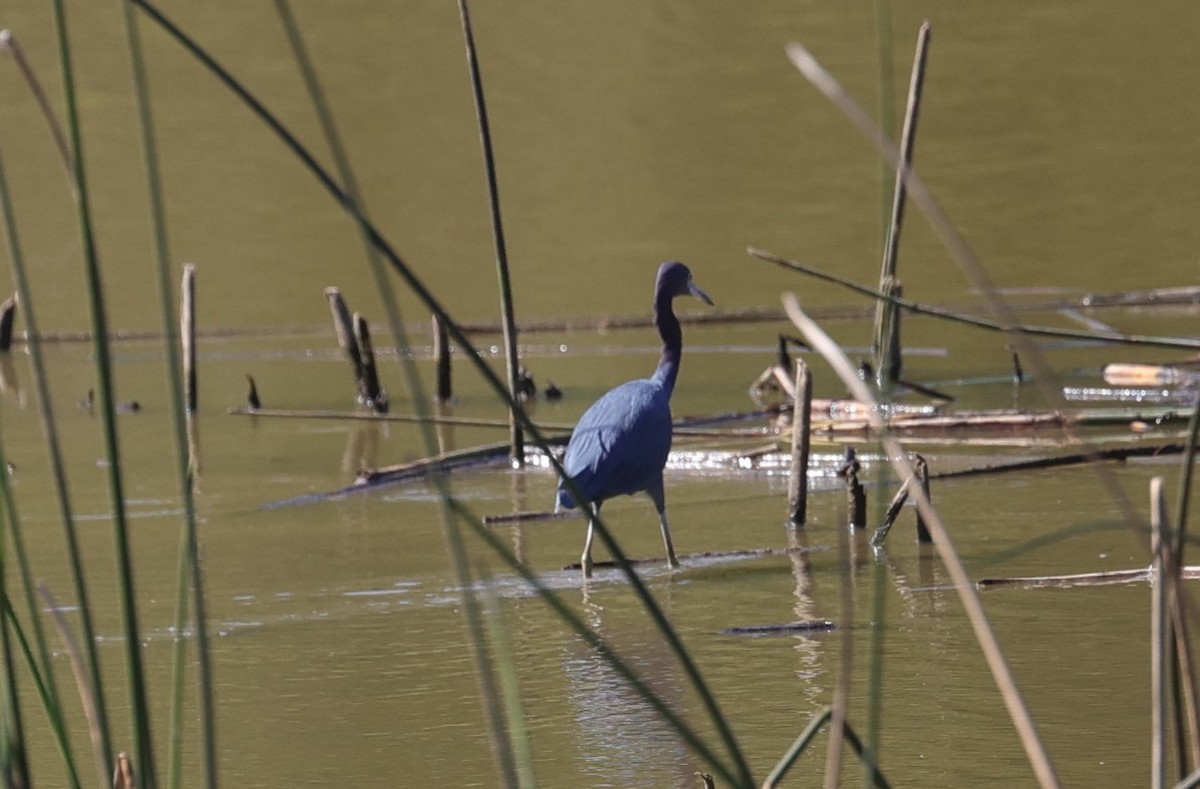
(586, 560)
(660, 504)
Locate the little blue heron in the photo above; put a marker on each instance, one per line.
(621, 443)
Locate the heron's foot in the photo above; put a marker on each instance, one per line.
(586, 563)
(673, 563)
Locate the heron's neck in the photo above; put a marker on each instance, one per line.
(672, 337)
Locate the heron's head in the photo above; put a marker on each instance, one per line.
(675, 279)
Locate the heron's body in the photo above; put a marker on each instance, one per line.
(621, 443)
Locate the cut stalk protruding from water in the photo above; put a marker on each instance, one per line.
(343, 327)
(361, 355)
(376, 396)
(253, 402)
(441, 355)
(8, 314)
(187, 334)
(887, 316)
(886, 344)
(856, 497)
(921, 477)
(516, 435)
(801, 434)
(1160, 545)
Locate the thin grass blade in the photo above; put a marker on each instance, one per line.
(140, 713)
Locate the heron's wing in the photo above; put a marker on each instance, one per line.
(621, 443)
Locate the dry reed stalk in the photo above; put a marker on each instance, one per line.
(1159, 653)
(87, 691)
(187, 333)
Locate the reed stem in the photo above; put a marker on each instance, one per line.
(182, 387)
(506, 299)
(1159, 544)
(139, 706)
(887, 325)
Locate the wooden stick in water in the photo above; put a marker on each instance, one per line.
(441, 354)
(374, 395)
(8, 313)
(922, 478)
(343, 325)
(887, 325)
(801, 431)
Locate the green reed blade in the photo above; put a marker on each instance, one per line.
(476, 358)
(14, 764)
(46, 415)
(793, 753)
(139, 706)
(189, 563)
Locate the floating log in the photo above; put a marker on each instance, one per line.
(511, 518)
(809, 626)
(1083, 579)
(752, 553)
(1119, 374)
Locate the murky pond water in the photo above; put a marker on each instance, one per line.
(1062, 142)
